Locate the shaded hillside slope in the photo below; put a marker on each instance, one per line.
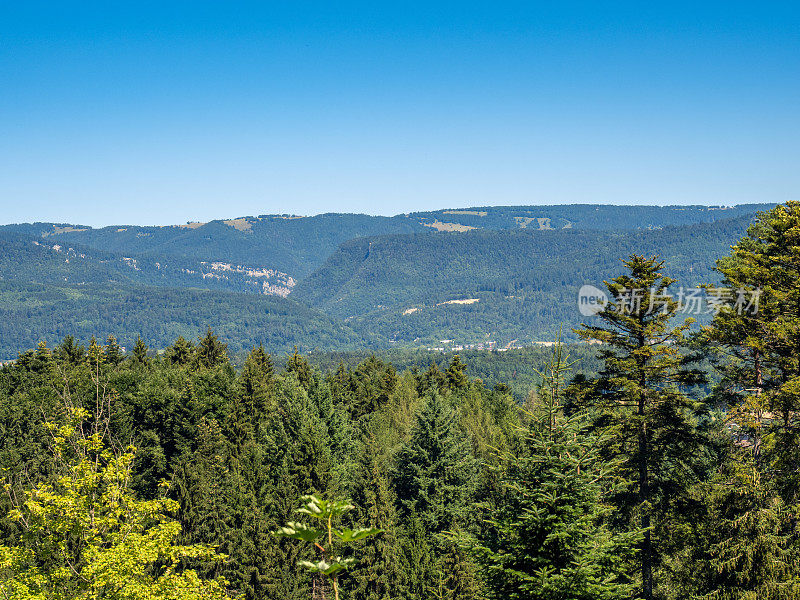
(292, 245)
(51, 259)
(501, 285)
(296, 246)
(30, 313)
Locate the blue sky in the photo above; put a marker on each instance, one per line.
(156, 113)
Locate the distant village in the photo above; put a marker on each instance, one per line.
(491, 345)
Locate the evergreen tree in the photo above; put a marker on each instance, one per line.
(181, 352)
(253, 401)
(419, 562)
(432, 379)
(203, 487)
(371, 385)
(230, 463)
(259, 364)
(70, 351)
(43, 361)
(434, 479)
(296, 460)
(379, 575)
(112, 351)
(456, 575)
(550, 537)
(743, 547)
(140, 351)
(95, 356)
(299, 366)
(435, 472)
(457, 374)
(755, 497)
(340, 434)
(647, 418)
(210, 351)
(402, 410)
(761, 337)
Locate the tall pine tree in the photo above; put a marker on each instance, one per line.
(435, 479)
(550, 536)
(646, 416)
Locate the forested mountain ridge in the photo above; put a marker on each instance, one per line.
(296, 245)
(502, 285)
(271, 253)
(286, 243)
(581, 216)
(380, 281)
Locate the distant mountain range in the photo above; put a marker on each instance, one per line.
(334, 281)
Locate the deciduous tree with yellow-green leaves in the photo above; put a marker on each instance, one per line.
(86, 536)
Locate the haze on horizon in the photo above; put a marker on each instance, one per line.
(149, 114)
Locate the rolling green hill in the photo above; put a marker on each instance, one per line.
(31, 312)
(495, 285)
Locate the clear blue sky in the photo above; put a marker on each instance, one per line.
(155, 113)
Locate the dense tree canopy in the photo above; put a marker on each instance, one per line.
(627, 480)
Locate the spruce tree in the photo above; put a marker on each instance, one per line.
(43, 362)
(647, 418)
(95, 356)
(340, 433)
(181, 352)
(432, 379)
(70, 351)
(254, 399)
(435, 471)
(755, 497)
(434, 480)
(379, 575)
(457, 374)
(113, 351)
(745, 547)
(760, 339)
(210, 351)
(420, 564)
(298, 365)
(371, 385)
(203, 485)
(296, 461)
(550, 536)
(140, 351)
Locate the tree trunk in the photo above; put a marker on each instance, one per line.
(644, 492)
(759, 388)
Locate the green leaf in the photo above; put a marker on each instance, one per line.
(351, 535)
(324, 509)
(328, 568)
(299, 531)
